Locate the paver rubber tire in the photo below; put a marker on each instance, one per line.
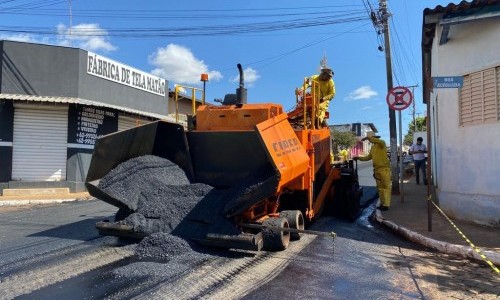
(275, 240)
(295, 220)
(353, 207)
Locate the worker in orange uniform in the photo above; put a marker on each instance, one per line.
(381, 168)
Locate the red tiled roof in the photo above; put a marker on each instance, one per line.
(463, 5)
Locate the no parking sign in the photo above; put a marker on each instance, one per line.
(399, 98)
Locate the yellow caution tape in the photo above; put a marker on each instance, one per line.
(483, 256)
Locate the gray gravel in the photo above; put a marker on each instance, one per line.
(162, 245)
(128, 180)
(160, 198)
(163, 208)
(141, 270)
(173, 266)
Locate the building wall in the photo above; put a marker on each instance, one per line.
(185, 106)
(6, 137)
(466, 158)
(98, 89)
(34, 69)
(43, 70)
(81, 118)
(360, 130)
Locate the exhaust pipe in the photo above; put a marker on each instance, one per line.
(240, 97)
(241, 92)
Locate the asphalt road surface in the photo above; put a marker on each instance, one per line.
(55, 252)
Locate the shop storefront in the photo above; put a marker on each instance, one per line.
(56, 101)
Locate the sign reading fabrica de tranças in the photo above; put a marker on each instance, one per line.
(106, 68)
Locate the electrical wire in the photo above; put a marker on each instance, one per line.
(262, 63)
(282, 18)
(31, 5)
(302, 9)
(212, 30)
(409, 61)
(288, 19)
(310, 44)
(174, 15)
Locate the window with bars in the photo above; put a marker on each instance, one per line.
(480, 97)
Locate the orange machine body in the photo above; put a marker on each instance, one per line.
(271, 168)
(234, 117)
(300, 155)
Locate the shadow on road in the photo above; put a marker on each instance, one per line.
(83, 230)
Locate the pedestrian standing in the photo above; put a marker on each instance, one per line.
(418, 151)
(381, 169)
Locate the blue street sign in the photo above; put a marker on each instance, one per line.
(448, 82)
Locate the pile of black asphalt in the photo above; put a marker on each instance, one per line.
(135, 177)
(159, 198)
(162, 245)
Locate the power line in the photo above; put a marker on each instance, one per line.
(174, 15)
(32, 5)
(170, 10)
(210, 30)
(409, 64)
(281, 19)
(290, 18)
(270, 60)
(310, 44)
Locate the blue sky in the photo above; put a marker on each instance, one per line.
(278, 43)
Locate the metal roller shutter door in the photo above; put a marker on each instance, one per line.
(126, 122)
(40, 143)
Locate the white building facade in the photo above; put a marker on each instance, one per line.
(464, 40)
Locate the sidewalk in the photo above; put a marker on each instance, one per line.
(41, 199)
(410, 218)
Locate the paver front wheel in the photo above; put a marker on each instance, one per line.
(295, 221)
(275, 240)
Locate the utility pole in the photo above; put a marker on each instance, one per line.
(414, 110)
(414, 119)
(417, 115)
(384, 16)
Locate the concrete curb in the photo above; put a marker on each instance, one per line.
(38, 201)
(440, 246)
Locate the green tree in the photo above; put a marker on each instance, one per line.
(344, 139)
(421, 126)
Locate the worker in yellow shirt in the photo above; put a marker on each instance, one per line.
(326, 92)
(381, 168)
(326, 89)
(344, 154)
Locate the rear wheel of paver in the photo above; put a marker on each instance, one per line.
(353, 206)
(275, 240)
(295, 220)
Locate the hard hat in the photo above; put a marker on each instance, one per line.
(324, 66)
(327, 71)
(372, 134)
